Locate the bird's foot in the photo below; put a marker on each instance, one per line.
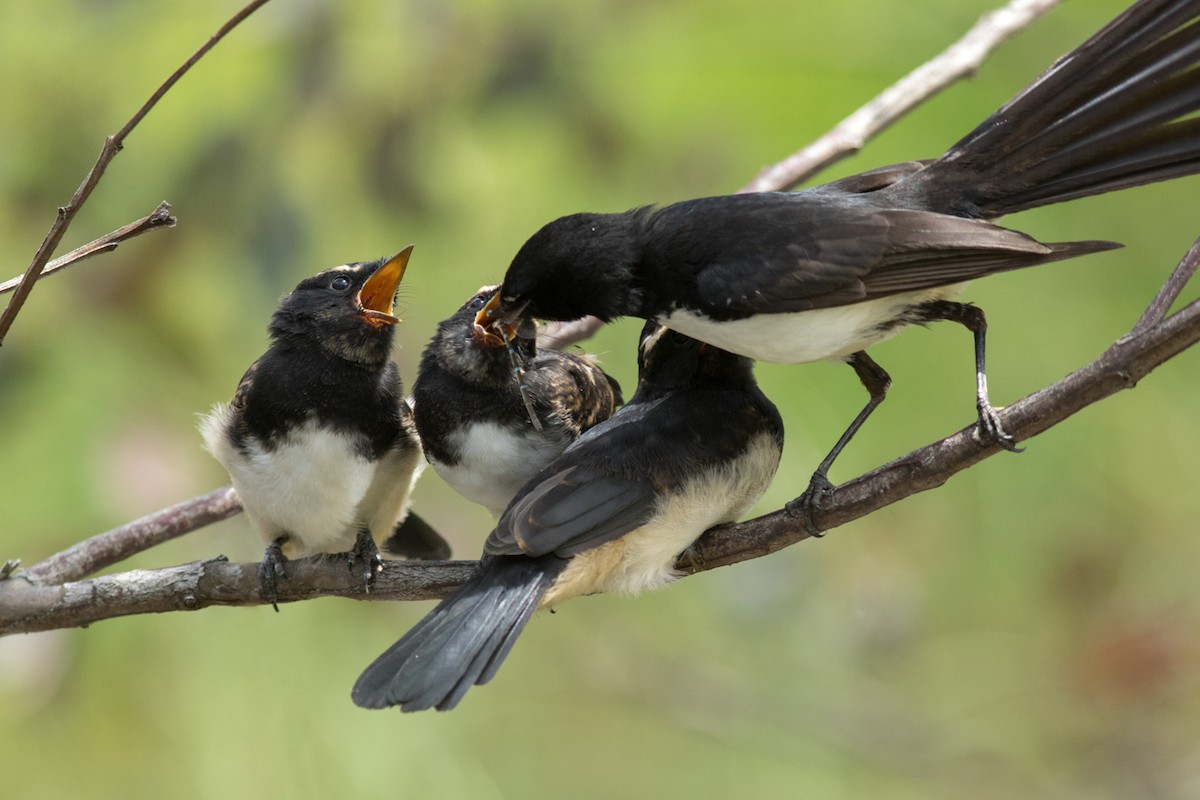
(364, 557)
(806, 504)
(990, 429)
(270, 571)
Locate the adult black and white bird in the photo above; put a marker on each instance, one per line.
(492, 414)
(824, 273)
(318, 440)
(696, 446)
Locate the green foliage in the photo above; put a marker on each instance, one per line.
(1026, 630)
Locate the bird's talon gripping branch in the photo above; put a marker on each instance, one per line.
(818, 491)
(990, 429)
(365, 556)
(270, 571)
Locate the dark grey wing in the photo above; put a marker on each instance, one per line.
(927, 249)
(820, 248)
(570, 511)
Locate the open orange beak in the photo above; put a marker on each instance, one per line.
(378, 294)
(493, 332)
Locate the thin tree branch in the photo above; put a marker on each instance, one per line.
(111, 547)
(159, 218)
(561, 335)
(1170, 290)
(112, 146)
(958, 61)
(27, 607)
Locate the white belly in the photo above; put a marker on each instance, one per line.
(804, 336)
(312, 487)
(495, 463)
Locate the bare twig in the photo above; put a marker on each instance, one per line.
(112, 146)
(959, 60)
(159, 218)
(1170, 290)
(561, 335)
(118, 544)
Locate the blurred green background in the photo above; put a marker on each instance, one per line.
(1028, 630)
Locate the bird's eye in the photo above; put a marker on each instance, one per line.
(477, 302)
(340, 284)
(679, 338)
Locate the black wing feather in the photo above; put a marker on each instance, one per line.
(821, 249)
(571, 511)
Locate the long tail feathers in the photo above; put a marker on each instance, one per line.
(1109, 115)
(463, 641)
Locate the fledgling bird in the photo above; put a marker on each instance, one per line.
(824, 273)
(492, 416)
(696, 446)
(318, 439)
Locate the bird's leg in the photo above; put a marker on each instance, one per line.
(876, 380)
(415, 539)
(271, 570)
(365, 555)
(972, 318)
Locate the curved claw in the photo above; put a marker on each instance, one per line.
(811, 501)
(991, 429)
(367, 553)
(270, 571)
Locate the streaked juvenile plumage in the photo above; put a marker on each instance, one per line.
(473, 419)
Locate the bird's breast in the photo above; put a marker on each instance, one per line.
(495, 460)
(308, 484)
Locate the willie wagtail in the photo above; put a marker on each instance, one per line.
(824, 273)
(491, 415)
(695, 447)
(318, 439)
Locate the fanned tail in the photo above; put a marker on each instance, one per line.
(463, 641)
(1108, 115)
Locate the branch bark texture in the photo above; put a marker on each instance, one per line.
(157, 219)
